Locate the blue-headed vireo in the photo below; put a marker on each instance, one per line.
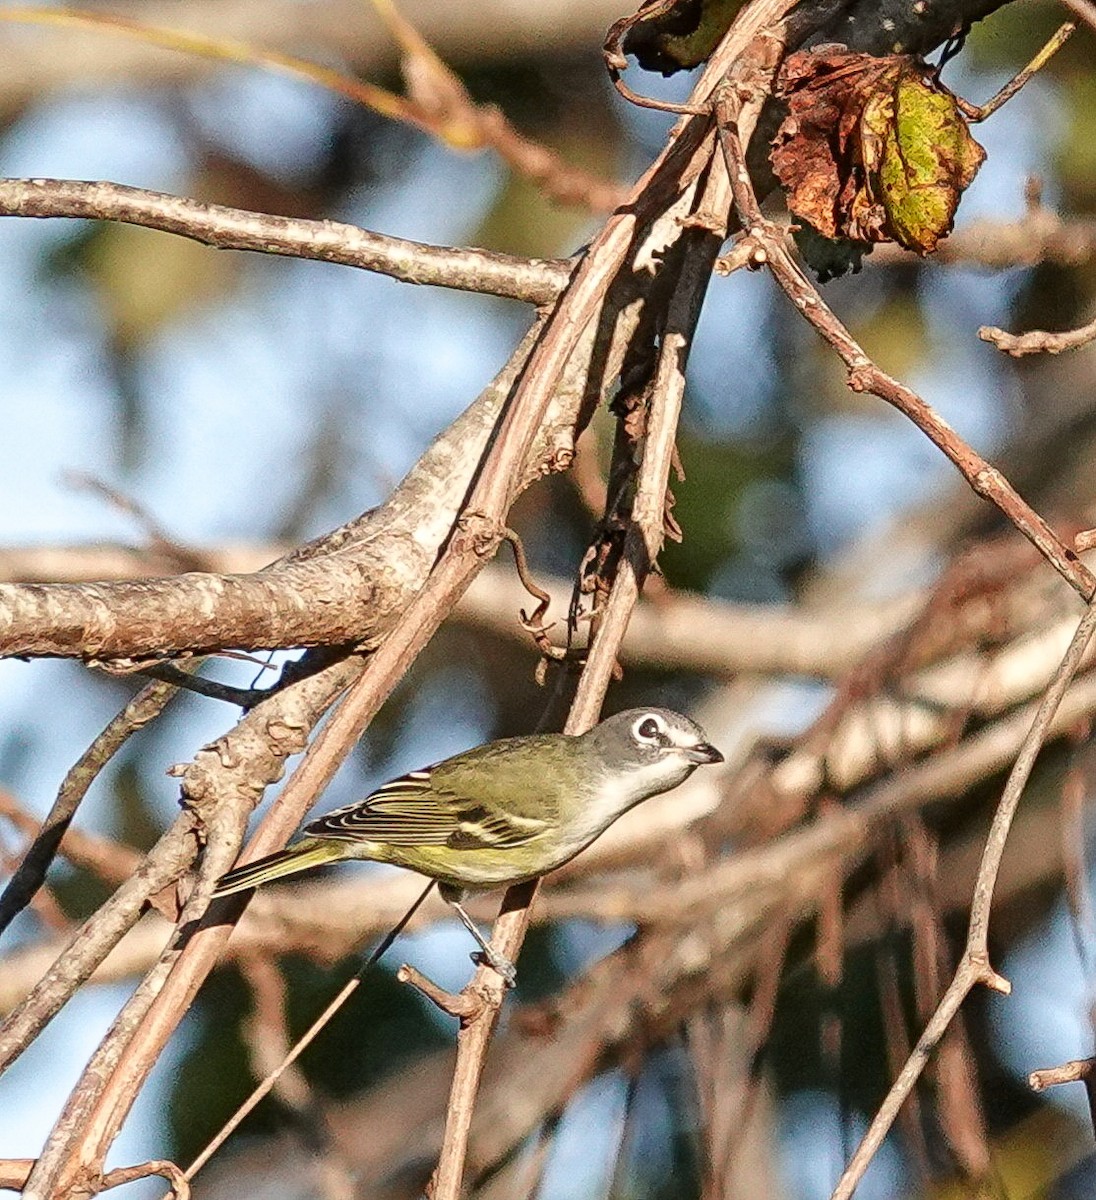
(502, 813)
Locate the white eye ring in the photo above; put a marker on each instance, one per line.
(649, 728)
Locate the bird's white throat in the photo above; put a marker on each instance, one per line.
(620, 791)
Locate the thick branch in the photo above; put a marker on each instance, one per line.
(893, 26)
(322, 601)
(351, 585)
(679, 631)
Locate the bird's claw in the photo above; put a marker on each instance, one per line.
(501, 966)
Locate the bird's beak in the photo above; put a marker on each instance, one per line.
(704, 752)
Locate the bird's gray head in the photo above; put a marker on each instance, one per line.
(656, 748)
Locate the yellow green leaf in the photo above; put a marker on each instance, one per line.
(873, 149)
(929, 158)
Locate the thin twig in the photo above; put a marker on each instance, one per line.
(212, 689)
(1038, 341)
(31, 872)
(1071, 1072)
(462, 1005)
(14, 1173)
(979, 112)
(1078, 1071)
(179, 1187)
(537, 281)
(306, 1039)
(535, 621)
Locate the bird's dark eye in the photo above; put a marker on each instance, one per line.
(648, 730)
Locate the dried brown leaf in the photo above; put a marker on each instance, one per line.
(873, 148)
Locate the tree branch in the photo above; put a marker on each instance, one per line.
(1037, 341)
(678, 631)
(536, 281)
(107, 1089)
(865, 376)
(29, 876)
(975, 966)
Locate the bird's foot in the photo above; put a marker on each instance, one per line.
(498, 964)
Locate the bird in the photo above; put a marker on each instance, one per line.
(501, 813)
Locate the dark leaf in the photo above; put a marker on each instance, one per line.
(671, 35)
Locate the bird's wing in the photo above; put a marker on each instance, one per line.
(414, 811)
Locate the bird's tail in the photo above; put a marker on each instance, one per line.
(309, 852)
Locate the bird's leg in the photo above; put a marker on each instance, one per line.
(486, 954)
